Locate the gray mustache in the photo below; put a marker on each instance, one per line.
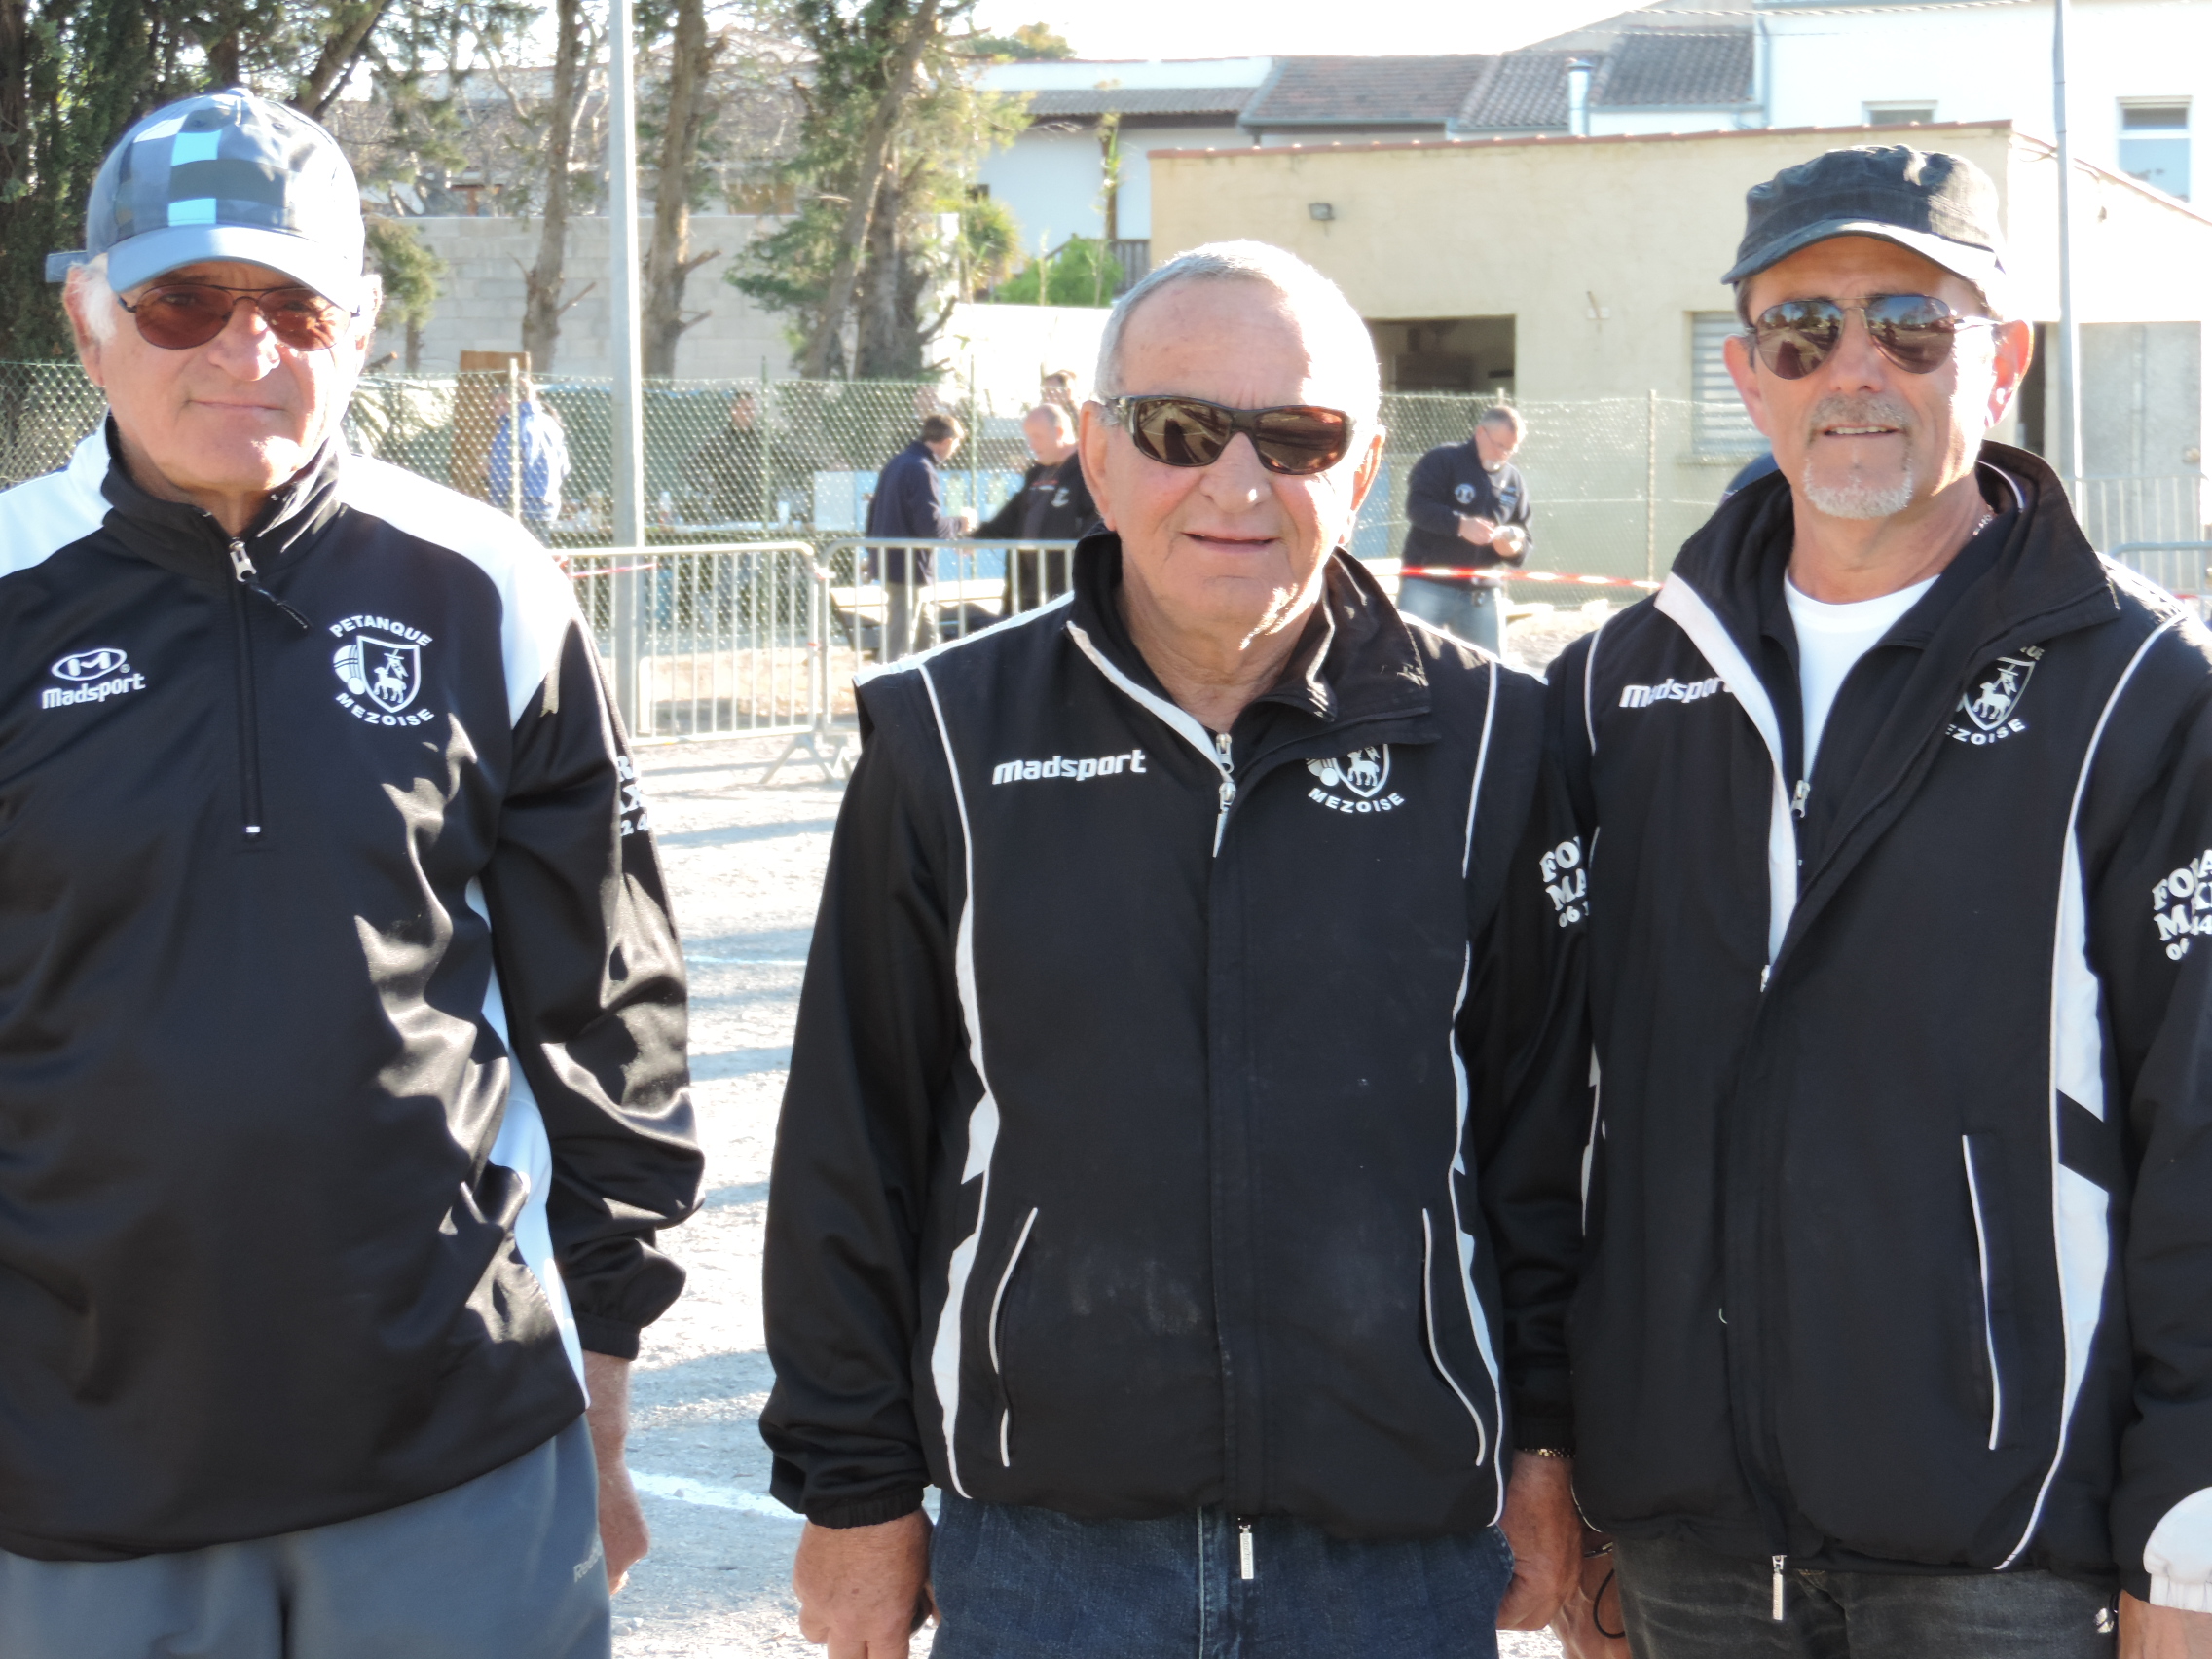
(1873, 411)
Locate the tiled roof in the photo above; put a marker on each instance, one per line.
(1677, 68)
(1364, 91)
(1673, 68)
(1527, 89)
(1068, 103)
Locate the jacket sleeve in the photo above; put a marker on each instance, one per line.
(593, 980)
(879, 1024)
(1520, 515)
(1005, 525)
(1524, 1031)
(2151, 944)
(1429, 504)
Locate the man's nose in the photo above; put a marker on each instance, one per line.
(1856, 362)
(1236, 474)
(247, 346)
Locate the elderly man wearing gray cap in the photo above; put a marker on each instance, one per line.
(341, 1023)
(1893, 1338)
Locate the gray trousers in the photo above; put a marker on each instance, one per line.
(1470, 610)
(505, 1566)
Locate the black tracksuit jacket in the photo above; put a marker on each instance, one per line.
(323, 882)
(1448, 483)
(1900, 1191)
(1159, 1131)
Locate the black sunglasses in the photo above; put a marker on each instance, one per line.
(179, 315)
(1913, 331)
(1297, 439)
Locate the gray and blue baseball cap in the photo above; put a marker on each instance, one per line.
(225, 176)
(1942, 207)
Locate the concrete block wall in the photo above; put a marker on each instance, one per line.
(480, 309)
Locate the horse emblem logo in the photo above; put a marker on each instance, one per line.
(1363, 772)
(386, 672)
(1993, 694)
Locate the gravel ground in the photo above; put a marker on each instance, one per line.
(745, 862)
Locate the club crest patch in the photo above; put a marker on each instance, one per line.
(379, 665)
(1988, 710)
(1362, 775)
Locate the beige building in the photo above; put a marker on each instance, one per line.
(1560, 270)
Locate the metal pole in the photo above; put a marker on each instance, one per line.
(2068, 453)
(626, 336)
(1651, 490)
(514, 440)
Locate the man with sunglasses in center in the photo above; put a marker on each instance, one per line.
(1193, 990)
(342, 1019)
(1894, 1337)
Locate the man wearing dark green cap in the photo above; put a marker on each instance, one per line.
(1892, 1338)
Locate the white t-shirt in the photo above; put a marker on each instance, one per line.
(1831, 639)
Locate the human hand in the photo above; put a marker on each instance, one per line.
(1477, 531)
(1592, 1625)
(1510, 541)
(2163, 1633)
(965, 522)
(864, 1590)
(1542, 1524)
(622, 1533)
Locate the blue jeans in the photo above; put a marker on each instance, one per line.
(1682, 1602)
(1468, 609)
(1015, 1583)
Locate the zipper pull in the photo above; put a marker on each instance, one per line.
(1244, 1550)
(1766, 973)
(1797, 800)
(1224, 757)
(241, 566)
(1778, 1560)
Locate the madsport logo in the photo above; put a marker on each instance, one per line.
(93, 677)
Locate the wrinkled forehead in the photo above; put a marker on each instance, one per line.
(223, 274)
(1242, 342)
(1855, 267)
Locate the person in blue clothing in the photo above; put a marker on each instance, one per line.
(910, 500)
(545, 457)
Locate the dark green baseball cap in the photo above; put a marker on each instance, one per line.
(1942, 207)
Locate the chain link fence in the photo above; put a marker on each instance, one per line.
(1617, 484)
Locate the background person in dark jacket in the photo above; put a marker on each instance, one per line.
(910, 500)
(727, 477)
(1194, 962)
(1052, 505)
(1467, 513)
(332, 1150)
(1895, 1338)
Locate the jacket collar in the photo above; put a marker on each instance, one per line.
(1355, 660)
(2045, 581)
(187, 540)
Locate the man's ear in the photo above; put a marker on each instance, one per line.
(88, 342)
(1092, 438)
(1370, 468)
(1736, 354)
(2012, 348)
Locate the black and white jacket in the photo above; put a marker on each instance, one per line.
(1159, 1131)
(1900, 1187)
(342, 1021)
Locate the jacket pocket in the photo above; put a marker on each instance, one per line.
(997, 1319)
(1992, 1264)
(1436, 1347)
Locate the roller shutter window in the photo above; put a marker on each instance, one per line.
(1720, 424)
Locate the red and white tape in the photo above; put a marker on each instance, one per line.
(1493, 572)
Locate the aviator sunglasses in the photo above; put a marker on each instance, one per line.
(1913, 331)
(1297, 439)
(179, 315)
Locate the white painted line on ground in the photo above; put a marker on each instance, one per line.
(686, 1491)
(747, 961)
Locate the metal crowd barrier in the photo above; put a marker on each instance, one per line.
(762, 639)
(891, 595)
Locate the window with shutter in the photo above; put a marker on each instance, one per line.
(1719, 424)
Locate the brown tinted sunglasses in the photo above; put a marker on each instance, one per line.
(1298, 440)
(179, 315)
